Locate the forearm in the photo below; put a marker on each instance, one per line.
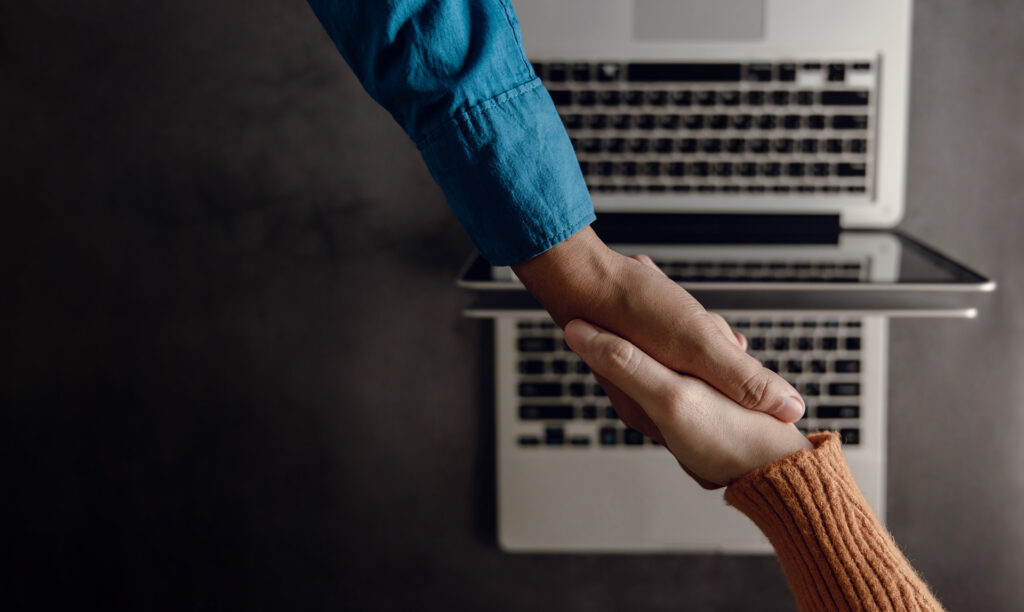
(834, 552)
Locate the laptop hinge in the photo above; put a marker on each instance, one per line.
(679, 228)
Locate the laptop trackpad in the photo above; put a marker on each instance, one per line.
(698, 19)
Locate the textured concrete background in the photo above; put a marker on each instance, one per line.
(235, 374)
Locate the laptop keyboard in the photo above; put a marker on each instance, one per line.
(801, 271)
(719, 128)
(562, 406)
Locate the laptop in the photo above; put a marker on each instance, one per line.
(756, 152)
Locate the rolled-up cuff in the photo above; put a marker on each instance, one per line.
(510, 174)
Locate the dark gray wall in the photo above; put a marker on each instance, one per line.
(235, 374)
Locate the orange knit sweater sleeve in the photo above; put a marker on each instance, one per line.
(833, 550)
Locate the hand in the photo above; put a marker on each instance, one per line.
(715, 439)
(583, 278)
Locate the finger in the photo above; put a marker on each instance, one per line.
(634, 372)
(727, 367)
(742, 340)
(630, 412)
(644, 259)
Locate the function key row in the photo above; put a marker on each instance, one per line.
(663, 72)
(574, 121)
(756, 146)
(708, 97)
(704, 189)
(726, 169)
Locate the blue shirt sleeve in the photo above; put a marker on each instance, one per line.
(454, 75)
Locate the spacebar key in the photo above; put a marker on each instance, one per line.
(545, 412)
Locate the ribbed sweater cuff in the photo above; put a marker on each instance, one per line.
(834, 551)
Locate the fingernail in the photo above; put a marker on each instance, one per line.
(792, 410)
(578, 332)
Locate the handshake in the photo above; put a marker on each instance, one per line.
(673, 370)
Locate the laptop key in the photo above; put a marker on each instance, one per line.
(579, 441)
(850, 436)
(818, 366)
(852, 344)
(540, 389)
(551, 412)
(849, 122)
(561, 97)
(577, 389)
(844, 98)
(844, 388)
(829, 343)
(554, 436)
(846, 366)
(559, 366)
(531, 366)
(536, 345)
(610, 98)
(632, 437)
(529, 441)
(609, 436)
(589, 412)
(849, 411)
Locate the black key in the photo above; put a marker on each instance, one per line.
(581, 72)
(784, 145)
(729, 98)
(545, 412)
(609, 436)
(651, 169)
(767, 122)
(538, 69)
(707, 98)
(816, 122)
(805, 98)
(677, 169)
(668, 122)
(657, 188)
(809, 145)
(573, 122)
(528, 441)
(846, 365)
(742, 122)
(597, 122)
(849, 122)
(663, 145)
(536, 345)
(582, 367)
(809, 324)
(682, 98)
(607, 72)
(839, 412)
(632, 437)
(577, 389)
(850, 436)
(525, 324)
(561, 97)
(812, 389)
(622, 122)
(794, 367)
(605, 168)
(711, 73)
(852, 344)
(844, 98)
(559, 366)
(711, 145)
(857, 145)
(830, 343)
(627, 169)
(693, 122)
(586, 98)
(834, 145)
(759, 72)
(820, 169)
(634, 97)
(759, 145)
(639, 145)
(598, 390)
(589, 412)
(755, 98)
(718, 122)
(735, 145)
(780, 344)
(851, 170)
(818, 366)
(791, 122)
(579, 441)
(836, 72)
(795, 169)
(772, 364)
(707, 188)
(861, 66)
(609, 413)
(723, 169)
(844, 388)
(657, 98)
(532, 366)
(615, 145)
(786, 72)
(592, 145)
(853, 323)
(780, 98)
(646, 122)
(700, 169)
(554, 436)
(756, 344)
(540, 389)
(610, 98)
(771, 169)
(747, 169)
(687, 145)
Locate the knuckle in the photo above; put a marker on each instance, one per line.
(622, 356)
(754, 389)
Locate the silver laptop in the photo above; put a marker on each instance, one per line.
(736, 142)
